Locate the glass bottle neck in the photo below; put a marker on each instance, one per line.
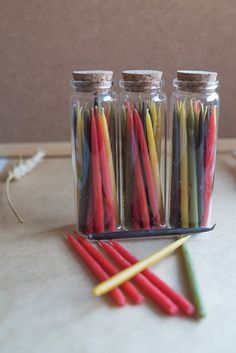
(92, 87)
(195, 86)
(141, 86)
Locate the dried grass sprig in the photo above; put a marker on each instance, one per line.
(18, 172)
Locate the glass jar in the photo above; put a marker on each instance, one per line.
(94, 150)
(194, 123)
(142, 157)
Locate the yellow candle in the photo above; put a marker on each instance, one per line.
(154, 162)
(159, 130)
(178, 106)
(132, 271)
(154, 116)
(109, 156)
(205, 113)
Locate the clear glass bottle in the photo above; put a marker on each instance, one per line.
(94, 150)
(142, 156)
(194, 123)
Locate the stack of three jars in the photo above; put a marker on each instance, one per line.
(135, 168)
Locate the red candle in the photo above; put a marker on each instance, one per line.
(177, 298)
(143, 207)
(106, 178)
(209, 165)
(152, 193)
(97, 179)
(90, 214)
(135, 209)
(96, 269)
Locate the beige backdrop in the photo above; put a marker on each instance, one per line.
(43, 41)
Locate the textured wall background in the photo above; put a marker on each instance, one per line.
(43, 41)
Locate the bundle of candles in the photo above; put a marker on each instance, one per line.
(193, 158)
(117, 283)
(95, 154)
(141, 156)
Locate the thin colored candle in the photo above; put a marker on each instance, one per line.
(150, 233)
(154, 161)
(192, 281)
(192, 168)
(177, 298)
(152, 194)
(85, 180)
(107, 114)
(196, 112)
(97, 179)
(128, 170)
(140, 104)
(138, 172)
(149, 289)
(116, 294)
(154, 117)
(79, 152)
(133, 270)
(79, 140)
(209, 164)
(206, 111)
(106, 178)
(109, 156)
(175, 173)
(200, 166)
(206, 125)
(142, 118)
(90, 226)
(85, 126)
(129, 289)
(158, 130)
(184, 196)
(98, 104)
(112, 133)
(135, 209)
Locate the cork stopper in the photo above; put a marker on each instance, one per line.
(93, 76)
(196, 76)
(142, 75)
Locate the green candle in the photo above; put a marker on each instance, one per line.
(192, 281)
(175, 172)
(184, 193)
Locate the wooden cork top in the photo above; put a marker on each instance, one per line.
(142, 75)
(195, 75)
(94, 76)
